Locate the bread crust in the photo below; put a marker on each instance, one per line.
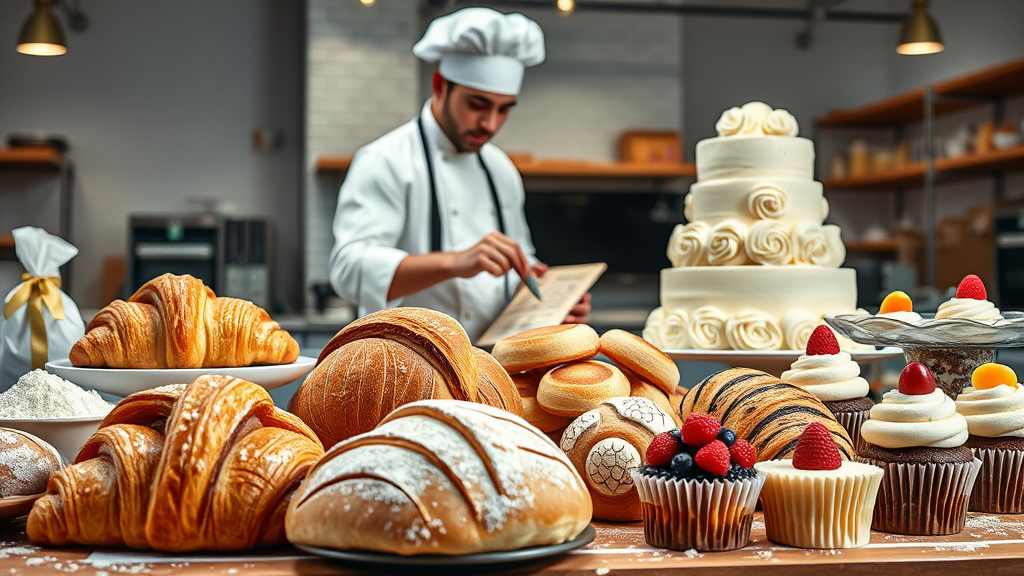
(572, 389)
(634, 354)
(546, 347)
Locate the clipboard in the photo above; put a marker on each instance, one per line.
(561, 287)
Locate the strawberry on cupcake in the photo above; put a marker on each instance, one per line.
(834, 378)
(970, 303)
(818, 500)
(698, 487)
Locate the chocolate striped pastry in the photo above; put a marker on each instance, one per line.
(767, 412)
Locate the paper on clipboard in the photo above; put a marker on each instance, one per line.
(561, 287)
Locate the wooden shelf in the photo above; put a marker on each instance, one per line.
(880, 246)
(560, 168)
(6, 241)
(1006, 79)
(909, 177)
(20, 158)
(1006, 160)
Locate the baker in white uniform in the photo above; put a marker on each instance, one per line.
(431, 214)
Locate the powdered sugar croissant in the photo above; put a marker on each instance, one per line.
(178, 322)
(211, 465)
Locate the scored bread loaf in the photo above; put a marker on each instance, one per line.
(545, 347)
(607, 444)
(637, 356)
(573, 388)
(767, 412)
(496, 387)
(26, 463)
(441, 477)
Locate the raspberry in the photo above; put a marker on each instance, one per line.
(662, 449)
(816, 450)
(916, 380)
(971, 287)
(699, 429)
(822, 342)
(743, 453)
(714, 458)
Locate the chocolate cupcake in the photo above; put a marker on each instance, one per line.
(698, 488)
(835, 379)
(917, 437)
(994, 409)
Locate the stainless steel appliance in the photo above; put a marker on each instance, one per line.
(1009, 260)
(231, 255)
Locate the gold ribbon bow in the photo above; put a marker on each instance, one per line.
(37, 291)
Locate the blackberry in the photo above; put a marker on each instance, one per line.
(728, 437)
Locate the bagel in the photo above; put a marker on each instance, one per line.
(574, 388)
(532, 412)
(547, 346)
(636, 355)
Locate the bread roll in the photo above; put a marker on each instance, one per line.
(638, 388)
(606, 444)
(26, 463)
(548, 346)
(572, 389)
(532, 412)
(634, 354)
(496, 387)
(441, 477)
(765, 411)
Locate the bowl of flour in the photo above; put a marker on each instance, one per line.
(57, 411)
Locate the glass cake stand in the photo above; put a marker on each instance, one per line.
(774, 362)
(950, 348)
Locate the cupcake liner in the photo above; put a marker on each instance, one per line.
(852, 421)
(924, 499)
(706, 516)
(999, 488)
(808, 511)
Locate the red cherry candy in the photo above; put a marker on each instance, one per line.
(916, 380)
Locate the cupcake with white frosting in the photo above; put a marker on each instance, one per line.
(899, 306)
(916, 435)
(834, 378)
(970, 303)
(994, 409)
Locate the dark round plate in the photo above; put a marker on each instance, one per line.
(483, 558)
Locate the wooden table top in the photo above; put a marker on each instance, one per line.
(988, 544)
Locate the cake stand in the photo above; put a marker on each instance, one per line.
(950, 348)
(774, 362)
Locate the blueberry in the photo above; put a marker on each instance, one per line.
(728, 437)
(682, 463)
(677, 435)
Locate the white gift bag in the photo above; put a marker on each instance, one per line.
(39, 321)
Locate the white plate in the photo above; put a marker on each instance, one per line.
(125, 381)
(771, 361)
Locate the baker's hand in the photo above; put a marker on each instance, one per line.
(495, 254)
(580, 313)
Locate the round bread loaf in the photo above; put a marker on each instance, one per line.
(573, 388)
(638, 388)
(532, 412)
(607, 444)
(495, 387)
(441, 477)
(634, 354)
(767, 412)
(26, 463)
(547, 346)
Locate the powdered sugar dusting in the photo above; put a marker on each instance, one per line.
(644, 412)
(580, 425)
(22, 470)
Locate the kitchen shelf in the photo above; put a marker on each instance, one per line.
(1006, 79)
(880, 246)
(561, 168)
(911, 176)
(1006, 160)
(22, 158)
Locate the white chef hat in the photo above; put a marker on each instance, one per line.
(483, 49)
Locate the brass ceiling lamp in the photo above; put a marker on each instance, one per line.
(920, 33)
(42, 35)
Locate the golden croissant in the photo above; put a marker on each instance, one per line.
(209, 465)
(178, 322)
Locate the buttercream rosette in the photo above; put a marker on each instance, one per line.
(797, 326)
(726, 244)
(769, 243)
(767, 202)
(818, 245)
(968, 309)
(666, 329)
(753, 330)
(780, 122)
(688, 244)
(706, 329)
(915, 421)
(830, 377)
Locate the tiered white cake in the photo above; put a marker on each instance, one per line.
(755, 268)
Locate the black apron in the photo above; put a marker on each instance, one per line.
(435, 210)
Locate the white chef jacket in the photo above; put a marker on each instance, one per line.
(383, 216)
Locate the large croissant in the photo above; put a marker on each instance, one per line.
(178, 322)
(211, 465)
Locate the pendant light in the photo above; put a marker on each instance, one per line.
(565, 7)
(920, 33)
(41, 34)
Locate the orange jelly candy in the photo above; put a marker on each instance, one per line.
(991, 375)
(896, 302)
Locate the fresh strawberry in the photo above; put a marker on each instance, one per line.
(743, 453)
(815, 450)
(662, 449)
(714, 458)
(699, 429)
(822, 342)
(971, 287)
(916, 380)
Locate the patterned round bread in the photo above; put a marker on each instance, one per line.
(634, 354)
(573, 388)
(26, 463)
(441, 477)
(767, 412)
(547, 346)
(526, 385)
(606, 444)
(639, 388)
